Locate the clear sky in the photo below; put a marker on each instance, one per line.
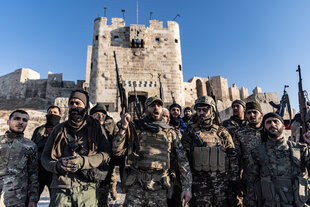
(249, 42)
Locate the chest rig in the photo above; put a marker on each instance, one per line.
(211, 155)
(282, 182)
(155, 149)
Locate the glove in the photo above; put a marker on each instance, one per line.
(59, 168)
(75, 163)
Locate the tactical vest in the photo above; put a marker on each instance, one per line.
(291, 190)
(41, 139)
(155, 149)
(212, 156)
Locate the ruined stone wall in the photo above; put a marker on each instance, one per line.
(13, 84)
(36, 88)
(26, 83)
(142, 52)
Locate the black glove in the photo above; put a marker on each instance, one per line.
(59, 169)
(75, 163)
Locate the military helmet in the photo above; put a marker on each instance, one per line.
(205, 100)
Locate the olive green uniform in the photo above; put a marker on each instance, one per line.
(109, 184)
(79, 188)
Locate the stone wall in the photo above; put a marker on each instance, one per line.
(13, 84)
(25, 83)
(142, 53)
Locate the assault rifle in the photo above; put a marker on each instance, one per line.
(302, 105)
(121, 89)
(285, 102)
(133, 144)
(137, 103)
(217, 118)
(161, 90)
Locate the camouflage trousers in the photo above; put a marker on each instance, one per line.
(75, 197)
(9, 202)
(137, 197)
(209, 189)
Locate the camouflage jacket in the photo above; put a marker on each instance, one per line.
(94, 145)
(232, 125)
(246, 139)
(276, 159)
(18, 169)
(227, 143)
(120, 146)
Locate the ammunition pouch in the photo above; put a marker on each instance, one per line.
(209, 159)
(147, 179)
(267, 189)
(281, 191)
(301, 191)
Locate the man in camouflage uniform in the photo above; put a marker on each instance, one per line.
(187, 115)
(246, 139)
(212, 157)
(77, 153)
(99, 112)
(175, 118)
(148, 182)
(237, 120)
(18, 164)
(277, 168)
(39, 137)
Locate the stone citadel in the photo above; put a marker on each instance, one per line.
(142, 53)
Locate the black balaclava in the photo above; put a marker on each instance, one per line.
(52, 120)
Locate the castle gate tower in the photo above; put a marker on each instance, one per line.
(142, 53)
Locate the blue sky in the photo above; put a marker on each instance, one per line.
(249, 42)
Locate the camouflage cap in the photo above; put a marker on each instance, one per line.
(151, 100)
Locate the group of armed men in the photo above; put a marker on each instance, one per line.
(164, 160)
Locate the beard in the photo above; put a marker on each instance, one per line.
(77, 114)
(152, 117)
(17, 132)
(275, 134)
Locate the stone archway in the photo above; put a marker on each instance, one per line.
(199, 88)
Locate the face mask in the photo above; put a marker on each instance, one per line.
(52, 120)
(78, 115)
